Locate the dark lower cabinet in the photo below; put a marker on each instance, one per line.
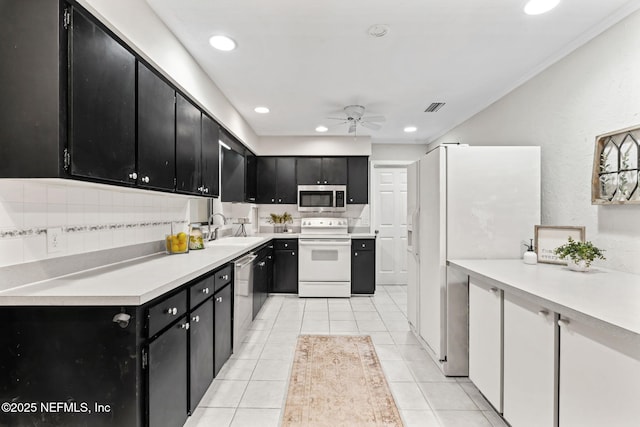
(223, 336)
(285, 266)
(262, 277)
(167, 377)
(363, 266)
(201, 345)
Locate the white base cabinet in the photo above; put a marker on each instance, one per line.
(529, 363)
(599, 377)
(485, 341)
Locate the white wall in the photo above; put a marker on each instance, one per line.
(397, 151)
(315, 146)
(594, 90)
(136, 23)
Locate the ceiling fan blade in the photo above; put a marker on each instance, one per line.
(374, 118)
(373, 126)
(352, 127)
(337, 118)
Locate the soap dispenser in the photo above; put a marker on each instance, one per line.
(530, 257)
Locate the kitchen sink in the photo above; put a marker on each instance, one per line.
(234, 241)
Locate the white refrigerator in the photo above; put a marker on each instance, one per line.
(463, 202)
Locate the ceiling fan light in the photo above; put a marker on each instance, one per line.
(410, 129)
(223, 43)
(322, 128)
(261, 110)
(538, 7)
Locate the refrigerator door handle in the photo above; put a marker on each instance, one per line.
(415, 238)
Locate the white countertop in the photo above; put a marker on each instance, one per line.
(605, 295)
(132, 283)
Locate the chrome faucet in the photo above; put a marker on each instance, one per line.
(214, 235)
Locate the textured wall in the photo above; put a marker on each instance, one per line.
(594, 90)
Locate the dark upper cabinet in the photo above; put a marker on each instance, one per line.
(251, 184)
(188, 146)
(309, 170)
(233, 176)
(287, 190)
(334, 170)
(266, 175)
(102, 104)
(358, 180)
(210, 160)
(363, 266)
(276, 180)
(156, 131)
(322, 171)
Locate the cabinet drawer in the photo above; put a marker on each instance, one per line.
(363, 244)
(288, 244)
(201, 290)
(222, 277)
(166, 311)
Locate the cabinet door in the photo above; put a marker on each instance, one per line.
(529, 363)
(287, 190)
(285, 271)
(156, 131)
(188, 146)
(308, 170)
(358, 180)
(334, 170)
(201, 352)
(266, 180)
(222, 324)
(103, 93)
(233, 176)
(260, 283)
(210, 159)
(599, 376)
(363, 267)
(250, 185)
(485, 341)
(167, 402)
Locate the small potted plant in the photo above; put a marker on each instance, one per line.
(280, 221)
(579, 255)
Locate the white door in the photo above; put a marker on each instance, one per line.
(390, 216)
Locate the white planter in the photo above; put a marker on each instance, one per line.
(577, 266)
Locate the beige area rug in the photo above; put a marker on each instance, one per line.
(338, 381)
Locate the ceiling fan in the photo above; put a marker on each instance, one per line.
(354, 116)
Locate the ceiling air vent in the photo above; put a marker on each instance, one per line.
(435, 106)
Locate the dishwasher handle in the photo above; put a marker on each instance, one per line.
(245, 261)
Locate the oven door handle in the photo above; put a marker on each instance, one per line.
(324, 243)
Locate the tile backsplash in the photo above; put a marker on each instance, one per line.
(92, 217)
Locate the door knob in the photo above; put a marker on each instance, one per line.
(172, 311)
(185, 326)
(205, 291)
(196, 319)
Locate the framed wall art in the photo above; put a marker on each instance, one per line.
(549, 237)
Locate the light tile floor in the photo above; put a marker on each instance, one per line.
(250, 390)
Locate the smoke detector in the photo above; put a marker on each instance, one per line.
(378, 30)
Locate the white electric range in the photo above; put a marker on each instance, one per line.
(324, 261)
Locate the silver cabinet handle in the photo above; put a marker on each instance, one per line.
(172, 311)
(364, 245)
(201, 188)
(196, 319)
(355, 254)
(133, 175)
(206, 190)
(293, 253)
(145, 179)
(269, 257)
(325, 182)
(286, 245)
(563, 323)
(185, 326)
(262, 264)
(273, 200)
(317, 182)
(224, 277)
(351, 200)
(219, 299)
(543, 313)
(205, 291)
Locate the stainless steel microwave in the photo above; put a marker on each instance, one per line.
(322, 198)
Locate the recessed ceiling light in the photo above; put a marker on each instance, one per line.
(322, 128)
(261, 110)
(410, 129)
(537, 7)
(222, 43)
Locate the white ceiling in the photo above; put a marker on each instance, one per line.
(307, 59)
